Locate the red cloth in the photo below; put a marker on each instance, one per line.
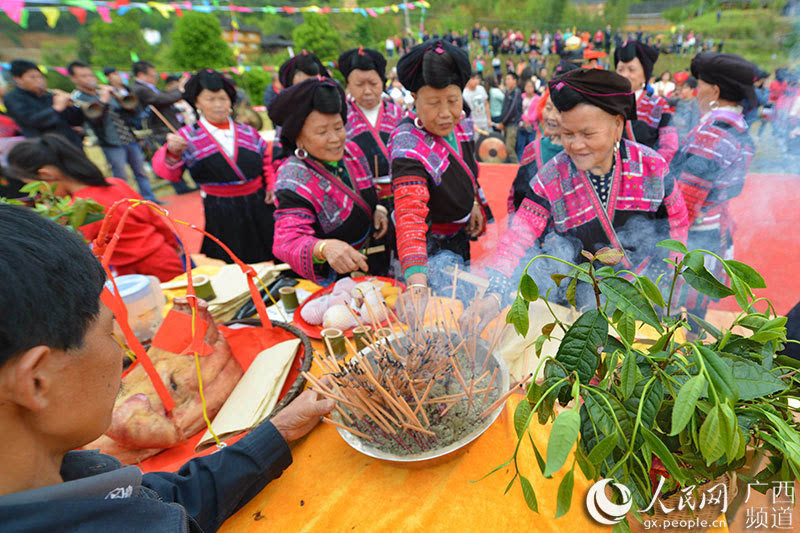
(146, 244)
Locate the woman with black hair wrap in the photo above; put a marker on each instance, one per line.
(601, 191)
(231, 163)
(653, 126)
(711, 166)
(301, 67)
(328, 210)
(439, 205)
(371, 119)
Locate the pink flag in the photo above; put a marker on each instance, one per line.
(61, 70)
(371, 12)
(104, 14)
(13, 9)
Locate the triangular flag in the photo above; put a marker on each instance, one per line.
(42, 68)
(134, 56)
(23, 19)
(99, 73)
(395, 8)
(104, 13)
(88, 5)
(61, 70)
(234, 24)
(371, 12)
(178, 10)
(290, 10)
(164, 9)
(187, 6)
(326, 9)
(13, 9)
(79, 13)
(123, 2)
(51, 14)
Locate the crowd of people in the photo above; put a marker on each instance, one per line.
(378, 175)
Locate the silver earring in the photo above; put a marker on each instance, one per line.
(616, 147)
(418, 123)
(713, 104)
(300, 153)
(463, 114)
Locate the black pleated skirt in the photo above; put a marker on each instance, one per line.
(245, 224)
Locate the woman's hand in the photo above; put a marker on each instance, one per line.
(342, 257)
(483, 312)
(176, 144)
(475, 224)
(301, 415)
(412, 303)
(381, 222)
(269, 197)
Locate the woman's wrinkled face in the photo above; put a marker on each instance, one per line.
(551, 121)
(215, 106)
(706, 94)
(439, 110)
(633, 71)
(365, 86)
(589, 134)
(323, 136)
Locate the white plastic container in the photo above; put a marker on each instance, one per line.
(145, 303)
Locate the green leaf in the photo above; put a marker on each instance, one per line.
(558, 278)
(588, 469)
(714, 332)
(627, 328)
(663, 453)
(528, 288)
(694, 261)
(753, 380)
(582, 344)
(571, 289)
(511, 483)
(609, 256)
(548, 328)
(624, 295)
(534, 393)
(603, 448)
(711, 445)
(704, 282)
(518, 316)
(674, 246)
(629, 375)
(719, 374)
(539, 459)
(747, 274)
(530, 495)
(564, 500)
(686, 402)
(741, 292)
(651, 291)
(521, 414)
(730, 431)
(563, 436)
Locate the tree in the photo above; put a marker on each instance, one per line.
(112, 44)
(197, 43)
(317, 35)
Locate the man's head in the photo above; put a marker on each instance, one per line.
(171, 82)
(511, 80)
(28, 77)
(113, 76)
(82, 76)
(60, 367)
(145, 71)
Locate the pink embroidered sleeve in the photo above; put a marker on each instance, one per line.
(411, 197)
(528, 224)
(668, 142)
(294, 240)
(170, 171)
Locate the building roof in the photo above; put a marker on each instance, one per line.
(275, 40)
(226, 26)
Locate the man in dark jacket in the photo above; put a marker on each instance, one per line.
(272, 90)
(60, 370)
(511, 115)
(38, 111)
(112, 127)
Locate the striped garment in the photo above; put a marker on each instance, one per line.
(643, 207)
(710, 170)
(434, 193)
(374, 141)
(312, 207)
(654, 127)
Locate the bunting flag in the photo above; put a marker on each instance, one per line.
(126, 76)
(18, 10)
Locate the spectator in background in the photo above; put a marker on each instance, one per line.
(272, 90)
(183, 109)
(38, 111)
(479, 65)
(144, 87)
(664, 86)
(496, 65)
(476, 30)
(496, 40)
(483, 36)
(687, 112)
(112, 127)
(511, 114)
(753, 113)
(477, 100)
(390, 47)
(527, 128)
(496, 98)
(607, 39)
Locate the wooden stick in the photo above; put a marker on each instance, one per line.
(491, 380)
(502, 399)
(163, 119)
(351, 430)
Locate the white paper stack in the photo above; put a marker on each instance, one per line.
(255, 395)
(230, 286)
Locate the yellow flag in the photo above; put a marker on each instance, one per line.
(51, 14)
(164, 9)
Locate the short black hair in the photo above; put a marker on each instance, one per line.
(109, 70)
(171, 78)
(50, 284)
(513, 75)
(76, 64)
(26, 158)
(21, 66)
(141, 67)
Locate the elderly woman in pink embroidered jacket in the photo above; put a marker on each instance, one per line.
(601, 191)
(328, 210)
